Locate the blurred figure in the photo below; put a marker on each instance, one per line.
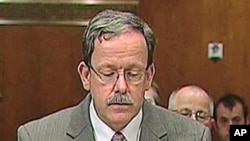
(153, 94)
(230, 109)
(193, 102)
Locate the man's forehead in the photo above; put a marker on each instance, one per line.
(193, 107)
(126, 49)
(193, 102)
(236, 106)
(192, 96)
(192, 91)
(236, 110)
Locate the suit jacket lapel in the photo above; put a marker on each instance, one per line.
(152, 128)
(80, 128)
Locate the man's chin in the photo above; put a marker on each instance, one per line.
(121, 119)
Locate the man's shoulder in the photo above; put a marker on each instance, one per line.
(171, 126)
(56, 117)
(55, 126)
(50, 123)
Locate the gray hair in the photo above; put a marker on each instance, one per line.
(110, 23)
(172, 98)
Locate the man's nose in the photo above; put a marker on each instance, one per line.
(230, 122)
(193, 116)
(121, 84)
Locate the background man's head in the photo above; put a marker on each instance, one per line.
(230, 109)
(153, 94)
(193, 102)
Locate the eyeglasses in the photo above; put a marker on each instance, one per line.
(111, 76)
(199, 115)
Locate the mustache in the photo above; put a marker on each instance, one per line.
(119, 98)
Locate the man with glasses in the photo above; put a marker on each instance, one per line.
(193, 102)
(117, 69)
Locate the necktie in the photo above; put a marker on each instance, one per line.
(118, 136)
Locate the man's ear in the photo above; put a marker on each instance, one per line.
(150, 75)
(84, 74)
(211, 124)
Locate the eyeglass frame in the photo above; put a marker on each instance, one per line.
(113, 82)
(197, 114)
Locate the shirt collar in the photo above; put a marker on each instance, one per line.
(104, 133)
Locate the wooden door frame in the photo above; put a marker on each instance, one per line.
(58, 12)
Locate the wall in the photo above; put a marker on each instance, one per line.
(38, 66)
(184, 29)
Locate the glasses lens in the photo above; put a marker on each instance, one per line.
(108, 77)
(201, 116)
(186, 113)
(111, 76)
(134, 76)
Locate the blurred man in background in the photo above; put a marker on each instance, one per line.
(153, 94)
(193, 102)
(230, 109)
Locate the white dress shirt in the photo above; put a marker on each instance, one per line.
(104, 133)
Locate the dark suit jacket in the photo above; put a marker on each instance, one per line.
(73, 124)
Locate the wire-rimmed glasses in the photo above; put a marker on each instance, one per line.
(111, 76)
(199, 115)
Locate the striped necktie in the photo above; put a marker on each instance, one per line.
(118, 136)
